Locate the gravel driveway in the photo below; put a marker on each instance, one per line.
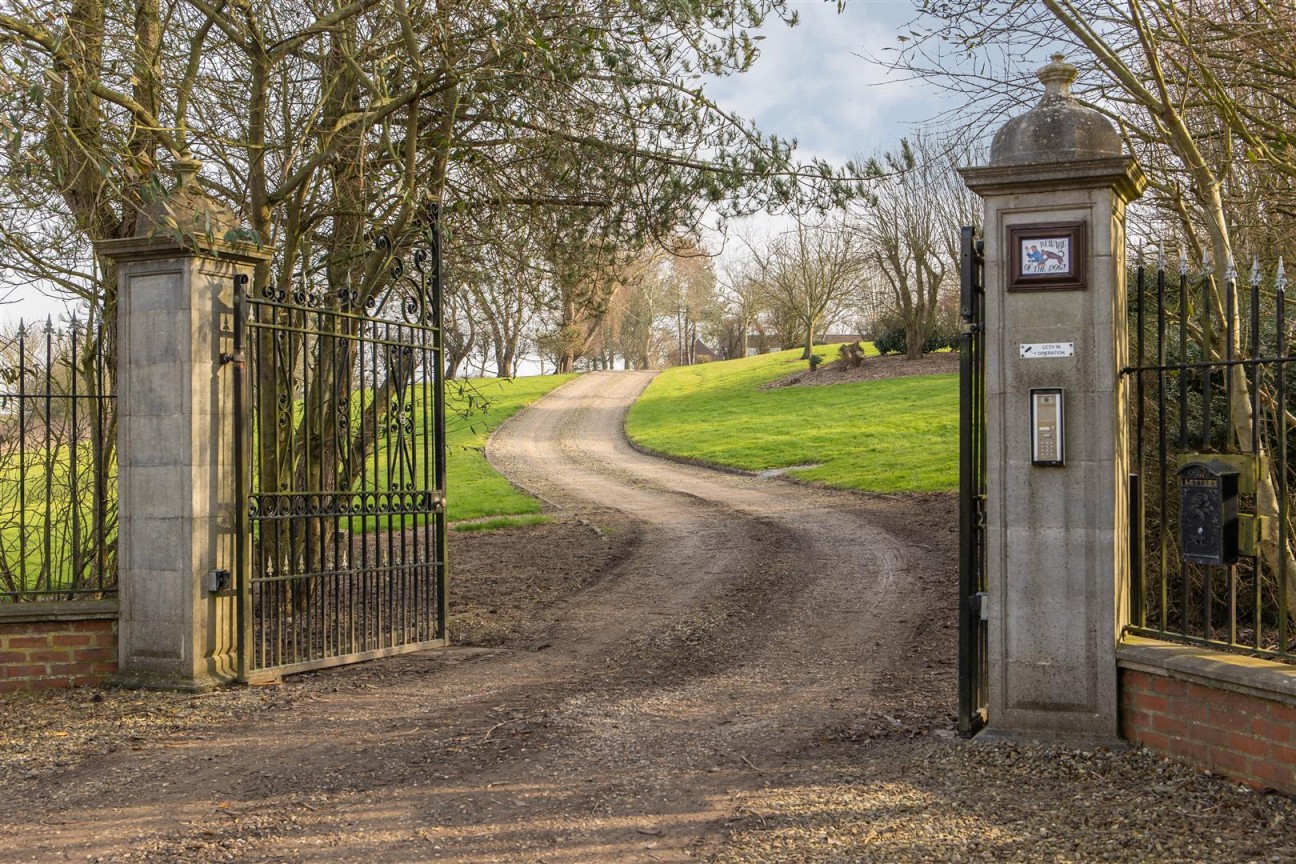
(688, 665)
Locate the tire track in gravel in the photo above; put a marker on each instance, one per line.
(752, 619)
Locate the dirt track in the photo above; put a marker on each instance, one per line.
(758, 672)
(752, 620)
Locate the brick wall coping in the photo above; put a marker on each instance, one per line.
(72, 610)
(1251, 676)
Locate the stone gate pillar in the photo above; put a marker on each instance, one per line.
(176, 483)
(1055, 193)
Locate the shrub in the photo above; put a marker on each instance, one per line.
(892, 340)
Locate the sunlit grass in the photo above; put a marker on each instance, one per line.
(499, 522)
(474, 409)
(893, 435)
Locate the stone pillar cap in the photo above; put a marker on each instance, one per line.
(1058, 129)
(186, 210)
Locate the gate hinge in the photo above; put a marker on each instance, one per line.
(979, 605)
(227, 357)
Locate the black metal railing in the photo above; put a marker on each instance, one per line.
(1210, 386)
(58, 467)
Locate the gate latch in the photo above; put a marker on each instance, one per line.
(218, 580)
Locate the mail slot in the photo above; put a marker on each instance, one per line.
(1208, 513)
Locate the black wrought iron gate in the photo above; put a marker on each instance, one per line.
(973, 695)
(341, 450)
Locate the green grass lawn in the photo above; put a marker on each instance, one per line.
(475, 489)
(894, 435)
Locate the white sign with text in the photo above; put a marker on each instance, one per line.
(1033, 350)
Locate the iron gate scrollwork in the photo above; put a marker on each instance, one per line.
(341, 456)
(973, 692)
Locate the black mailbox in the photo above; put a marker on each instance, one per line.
(1208, 513)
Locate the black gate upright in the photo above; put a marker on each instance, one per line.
(342, 470)
(973, 694)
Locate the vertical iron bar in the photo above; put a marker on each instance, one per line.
(1134, 492)
(99, 453)
(1162, 444)
(47, 565)
(1257, 564)
(1141, 293)
(1230, 333)
(1208, 370)
(242, 534)
(75, 555)
(968, 615)
(371, 638)
(1183, 353)
(427, 620)
(438, 422)
(1137, 542)
(1232, 610)
(312, 432)
(1255, 365)
(23, 584)
(1281, 420)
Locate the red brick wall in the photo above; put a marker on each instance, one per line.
(1242, 736)
(42, 655)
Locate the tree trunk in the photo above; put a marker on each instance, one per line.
(914, 339)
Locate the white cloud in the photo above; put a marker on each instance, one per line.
(810, 82)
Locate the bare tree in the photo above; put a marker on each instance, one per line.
(740, 290)
(810, 275)
(693, 279)
(909, 231)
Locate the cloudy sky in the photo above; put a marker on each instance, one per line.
(813, 83)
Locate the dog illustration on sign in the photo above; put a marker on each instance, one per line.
(1046, 256)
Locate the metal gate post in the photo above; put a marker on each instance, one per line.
(242, 435)
(438, 419)
(972, 691)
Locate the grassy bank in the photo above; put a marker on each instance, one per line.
(892, 435)
(474, 409)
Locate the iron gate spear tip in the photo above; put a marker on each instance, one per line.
(1255, 272)
(1282, 276)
